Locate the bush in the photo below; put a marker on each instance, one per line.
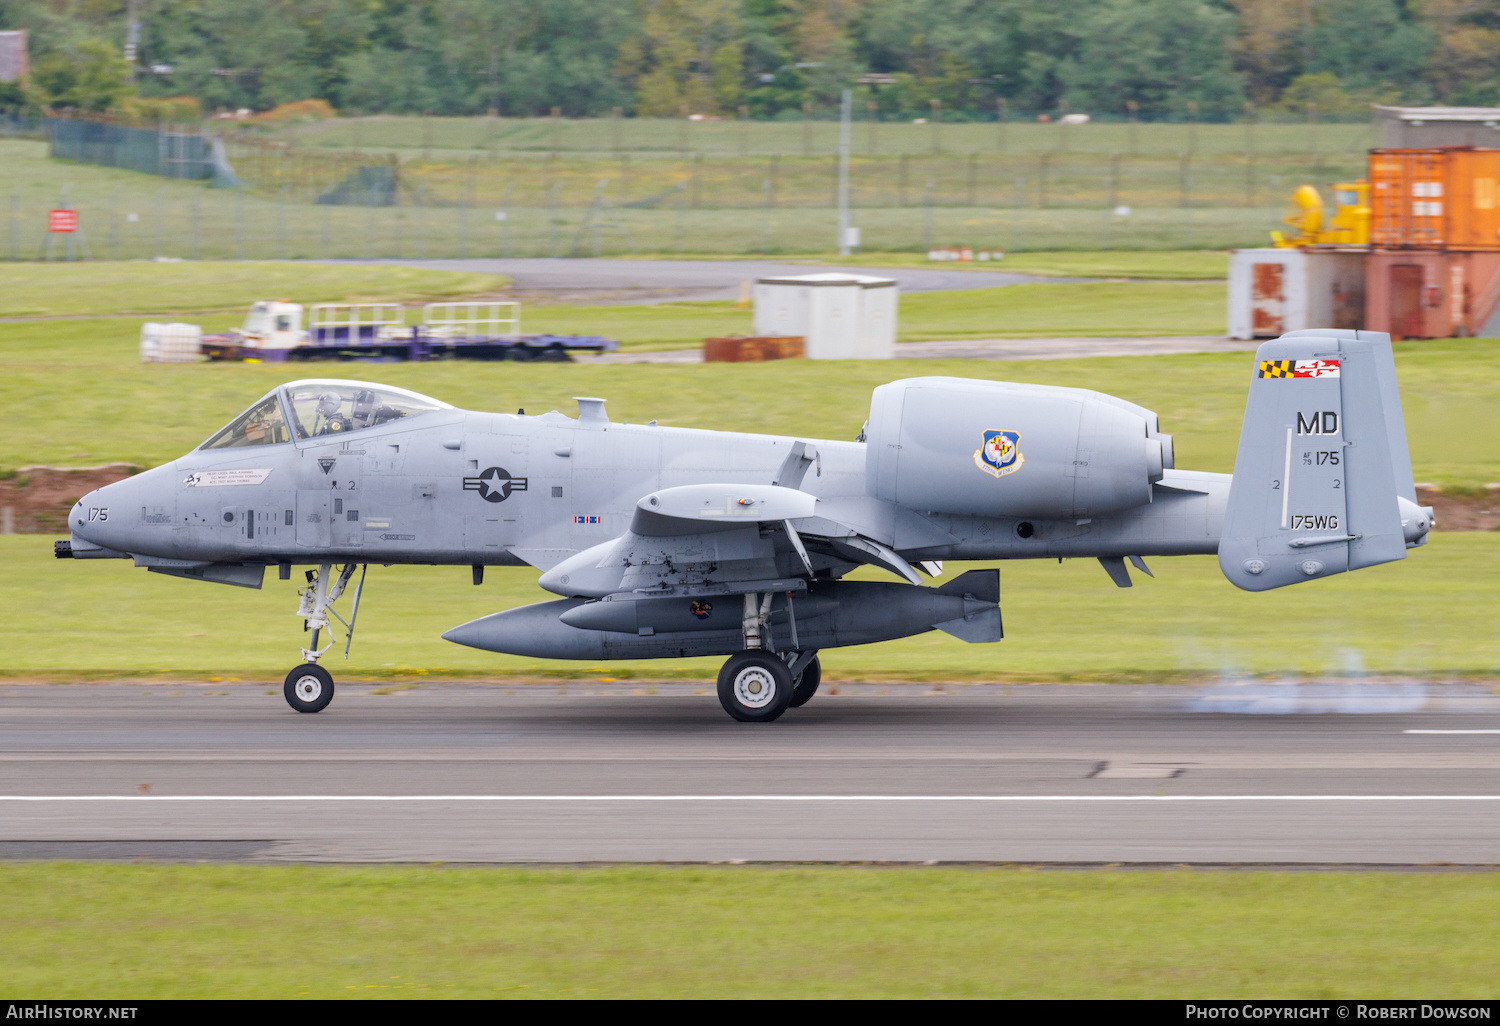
(1327, 93)
(179, 109)
(297, 111)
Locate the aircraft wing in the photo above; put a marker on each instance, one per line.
(710, 538)
(795, 513)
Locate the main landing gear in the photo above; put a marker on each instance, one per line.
(309, 687)
(757, 686)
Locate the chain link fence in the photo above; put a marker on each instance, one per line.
(313, 198)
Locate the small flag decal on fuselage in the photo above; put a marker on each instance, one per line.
(588, 520)
(1298, 369)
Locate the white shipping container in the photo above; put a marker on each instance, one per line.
(1272, 291)
(842, 316)
(171, 343)
(877, 318)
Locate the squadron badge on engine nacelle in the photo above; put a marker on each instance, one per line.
(999, 453)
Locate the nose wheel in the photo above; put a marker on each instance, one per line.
(309, 688)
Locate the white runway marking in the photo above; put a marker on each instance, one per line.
(751, 798)
(1451, 732)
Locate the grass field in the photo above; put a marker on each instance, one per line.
(135, 287)
(1166, 264)
(1449, 388)
(1140, 264)
(261, 932)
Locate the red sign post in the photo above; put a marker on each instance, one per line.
(62, 220)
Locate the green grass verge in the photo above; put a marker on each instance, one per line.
(133, 932)
(100, 288)
(1430, 615)
(1179, 265)
(1086, 309)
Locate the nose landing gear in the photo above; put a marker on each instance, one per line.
(309, 687)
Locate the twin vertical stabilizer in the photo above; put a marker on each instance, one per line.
(1323, 479)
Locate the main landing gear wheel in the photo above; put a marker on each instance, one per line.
(755, 687)
(309, 688)
(805, 684)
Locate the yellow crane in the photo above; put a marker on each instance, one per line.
(1349, 225)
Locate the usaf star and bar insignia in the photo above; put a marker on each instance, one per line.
(495, 484)
(1298, 369)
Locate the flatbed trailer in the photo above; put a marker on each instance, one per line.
(476, 330)
(521, 348)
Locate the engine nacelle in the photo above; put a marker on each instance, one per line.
(979, 448)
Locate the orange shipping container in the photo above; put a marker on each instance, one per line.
(1442, 198)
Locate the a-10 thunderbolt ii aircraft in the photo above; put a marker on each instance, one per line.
(668, 542)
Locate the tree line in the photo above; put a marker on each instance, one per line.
(958, 59)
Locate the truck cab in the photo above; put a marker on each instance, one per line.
(272, 325)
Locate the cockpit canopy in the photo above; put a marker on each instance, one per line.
(313, 409)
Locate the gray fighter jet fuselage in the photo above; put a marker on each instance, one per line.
(669, 542)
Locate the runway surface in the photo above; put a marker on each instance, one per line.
(588, 279)
(1280, 774)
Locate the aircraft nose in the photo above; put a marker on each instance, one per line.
(77, 521)
(93, 518)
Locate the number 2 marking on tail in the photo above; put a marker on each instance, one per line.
(1286, 475)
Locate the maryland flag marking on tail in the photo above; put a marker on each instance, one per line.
(1298, 369)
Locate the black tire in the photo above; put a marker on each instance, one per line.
(755, 687)
(308, 688)
(805, 684)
